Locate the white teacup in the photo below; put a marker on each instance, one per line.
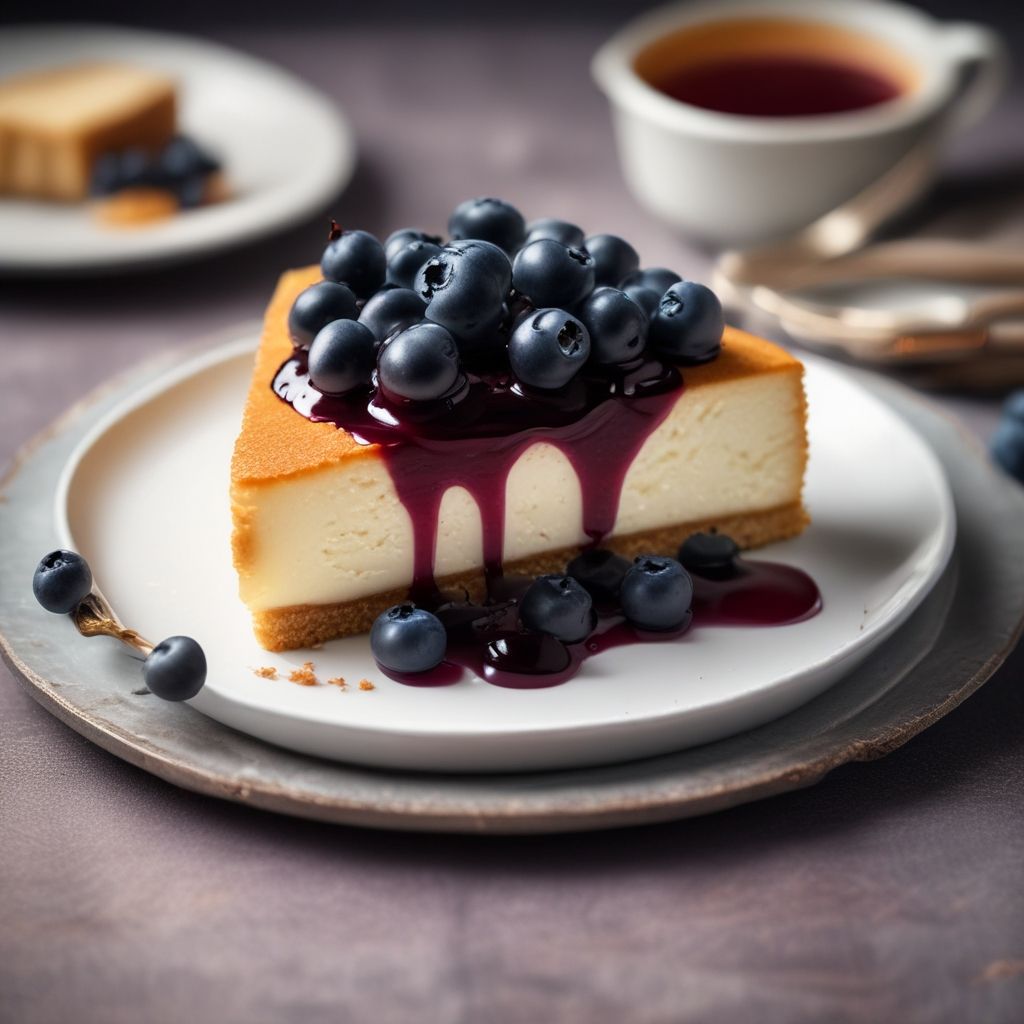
(735, 180)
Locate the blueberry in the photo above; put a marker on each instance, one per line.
(709, 554)
(183, 157)
(419, 364)
(646, 298)
(106, 174)
(135, 168)
(616, 324)
(492, 220)
(464, 287)
(357, 259)
(614, 258)
(600, 572)
(398, 240)
(1013, 408)
(558, 606)
(656, 593)
(62, 581)
(342, 357)
(487, 254)
(408, 639)
(1007, 447)
(688, 325)
(316, 307)
(175, 668)
(558, 230)
(548, 348)
(551, 274)
(660, 279)
(392, 310)
(191, 192)
(405, 264)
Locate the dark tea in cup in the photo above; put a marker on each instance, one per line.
(760, 67)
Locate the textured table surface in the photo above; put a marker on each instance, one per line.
(893, 890)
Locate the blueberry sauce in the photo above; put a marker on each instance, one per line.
(488, 640)
(488, 421)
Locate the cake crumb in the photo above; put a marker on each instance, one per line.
(265, 672)
(365, 684)
(304, 676)
(339, 682)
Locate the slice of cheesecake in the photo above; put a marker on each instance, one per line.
(323, 541)
(54, 124)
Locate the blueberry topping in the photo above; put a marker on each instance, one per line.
(614, 258)
(558, 230)
(191, 191)
(548, 348)
(600, 572)
(405, 264)
(106, 174)
(646, 298)
(1013, 408)
(492, 220)
(61, 582)
(464, 287)
(183, 158)
(709, 554)
(1007, 446)
(316, 307)
(391, 310)
(656, 593)
(558, 606)
(659, 279)
(342, 357)
(551, 274)
(419, 364)
(398, 240)
(408, 639)
(616, 324)
(357, 259)
(175, 669)
(135, 168)
(688, 325)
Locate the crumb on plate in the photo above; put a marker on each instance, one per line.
(304, 676)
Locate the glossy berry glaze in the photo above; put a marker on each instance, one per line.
(483, 429)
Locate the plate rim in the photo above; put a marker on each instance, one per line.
(507, 807)
(911, 593)
(332, 178)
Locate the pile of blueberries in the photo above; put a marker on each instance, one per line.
(652, 593)
(175, 669)
(181, 167)
(1007, 444)
(412, 316)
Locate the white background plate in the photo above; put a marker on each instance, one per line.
(145, 499)
(286, 151)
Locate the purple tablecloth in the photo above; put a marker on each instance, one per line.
(891, 891)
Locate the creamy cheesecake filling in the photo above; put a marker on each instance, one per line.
(342, 533)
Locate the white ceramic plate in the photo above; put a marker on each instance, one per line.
(144, 497)
(286, 149)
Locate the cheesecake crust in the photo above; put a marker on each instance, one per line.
(284, 629)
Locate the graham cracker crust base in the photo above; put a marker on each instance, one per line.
(305, 625)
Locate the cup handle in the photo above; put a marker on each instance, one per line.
(979, 52)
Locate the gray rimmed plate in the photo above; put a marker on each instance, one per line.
(951, 644)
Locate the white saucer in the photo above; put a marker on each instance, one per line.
(144, 498)
(286, 149)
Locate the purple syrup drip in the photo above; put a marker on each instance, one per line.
(473, 440)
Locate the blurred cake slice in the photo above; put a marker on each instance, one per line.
(55, 124)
